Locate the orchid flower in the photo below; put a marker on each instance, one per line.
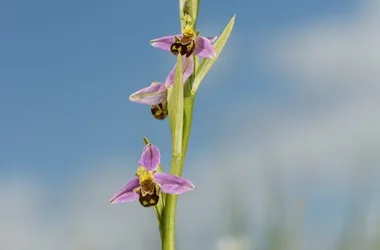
(149, 183)
(156, 94)
(187, 43)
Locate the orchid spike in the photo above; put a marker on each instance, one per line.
(149, 183)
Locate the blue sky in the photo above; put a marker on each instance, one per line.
(294, 91)
(67, 70)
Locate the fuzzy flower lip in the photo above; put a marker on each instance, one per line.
(203, 45)
(156, 93)
(148, 184)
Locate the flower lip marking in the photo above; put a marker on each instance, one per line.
(159, 111)
(148, 191)
(184, 45)
(151, 197)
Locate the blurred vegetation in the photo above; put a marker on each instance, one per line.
(284, 228)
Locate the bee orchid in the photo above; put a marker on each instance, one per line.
(187, 43)
(148, 184)
(156, 94)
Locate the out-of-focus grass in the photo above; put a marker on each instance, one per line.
(283, 229)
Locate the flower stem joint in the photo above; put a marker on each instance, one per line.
(148, 184)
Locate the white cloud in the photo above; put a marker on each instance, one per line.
(19, 213)
(233, 243)
(340, 55)
(328, 136)
(333, 65)
(77, 216)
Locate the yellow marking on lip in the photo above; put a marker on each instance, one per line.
(144, 175)
(188, 32)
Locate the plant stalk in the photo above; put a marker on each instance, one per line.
(178, 160)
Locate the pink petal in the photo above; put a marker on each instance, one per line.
(150, 157)
(152, 95)
(172, 184)
(204, 48)
(187, 70)
(212, 38)
(126, 193)
(164, 42)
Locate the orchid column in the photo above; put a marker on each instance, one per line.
(174, 98)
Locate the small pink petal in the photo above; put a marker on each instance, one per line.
(187, 70)
(152, 95)
(172, 184)
(164, 42)
(126, 193)
(204, 48)
(212, 38)
(150, 158)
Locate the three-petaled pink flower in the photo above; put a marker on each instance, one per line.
(187, 43)
(149, 183)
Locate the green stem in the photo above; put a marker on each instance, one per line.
(178, 160)
(168, 239)
(168, 242)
